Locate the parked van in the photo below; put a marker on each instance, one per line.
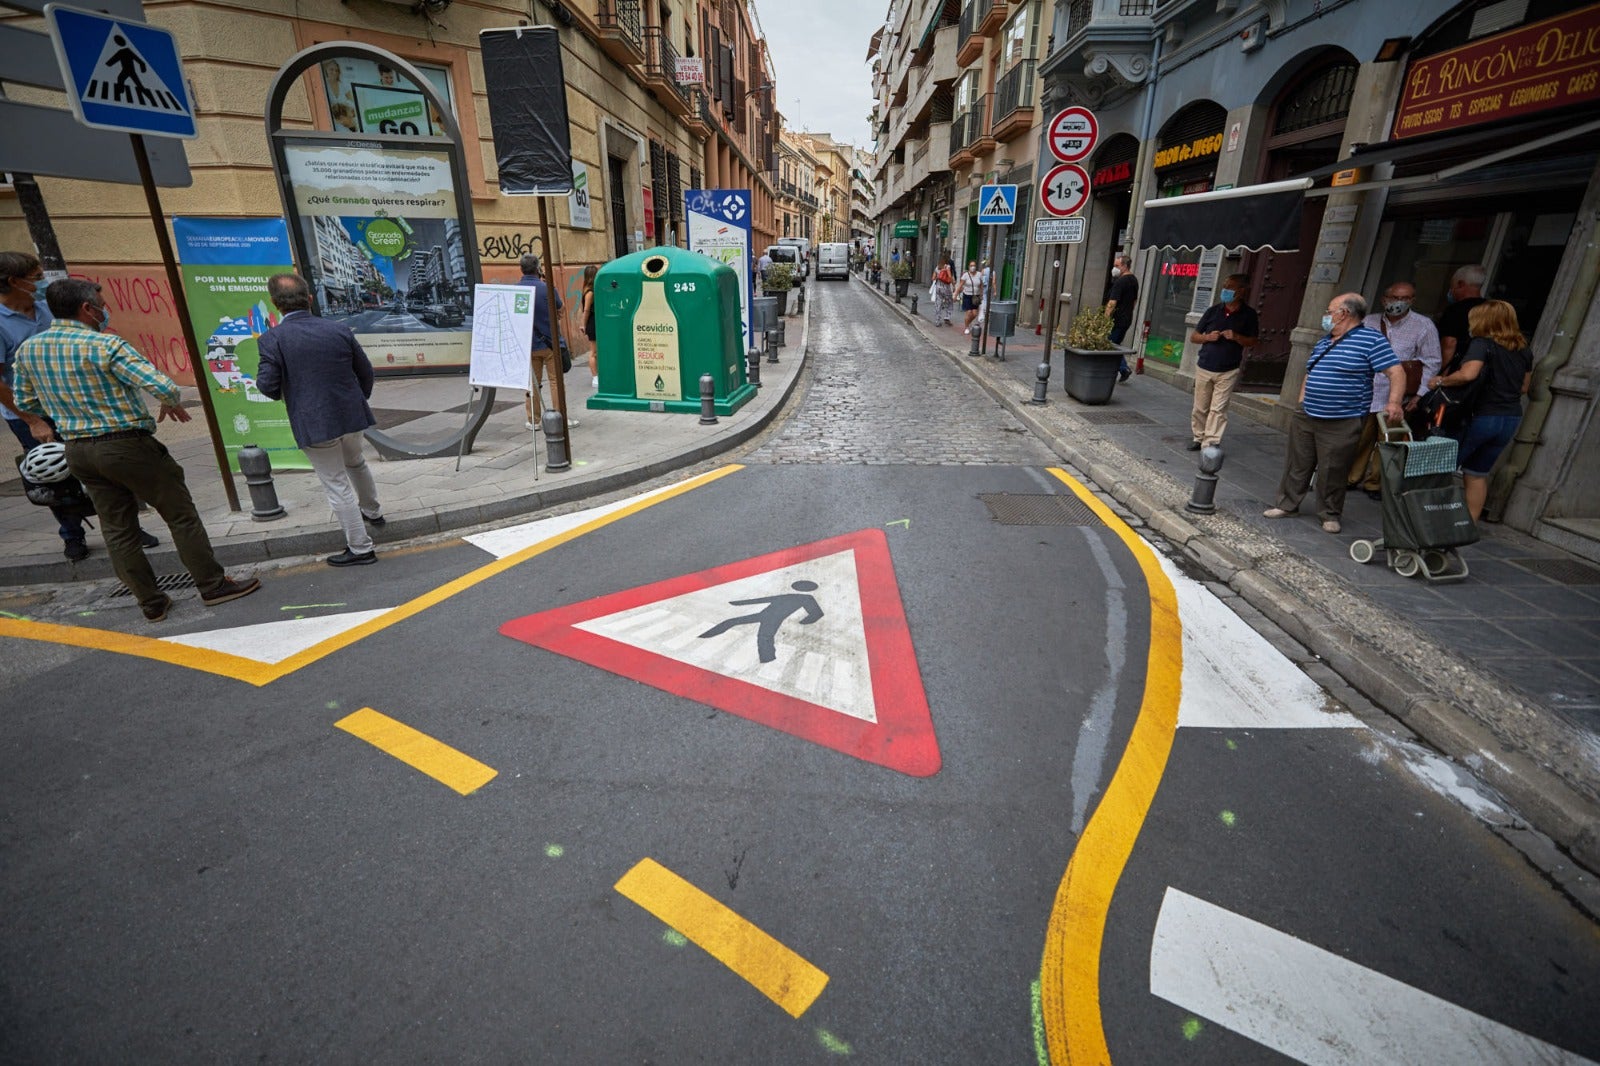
(833, 261)
(804, 245)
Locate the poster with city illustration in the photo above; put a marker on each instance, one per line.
(719, 227)
(385, 251)
(225, 264)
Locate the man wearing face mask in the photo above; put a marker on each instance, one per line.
(1466, 292)
(1226, 329)
(88, 383)
(1416, 344)
(1124, 293)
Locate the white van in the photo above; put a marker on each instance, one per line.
(833, 261)
(804, 246)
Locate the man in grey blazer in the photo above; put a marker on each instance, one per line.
(316, 366)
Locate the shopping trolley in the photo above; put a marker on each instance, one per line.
(1425, 517)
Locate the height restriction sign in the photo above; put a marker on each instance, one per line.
(1064, 190)
(1072, 134)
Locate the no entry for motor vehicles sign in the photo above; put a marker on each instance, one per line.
(1072, 134)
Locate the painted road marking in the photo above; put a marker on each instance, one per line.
(503, 542)
(252, 672)
(777, 972)
(1312, 1005)
(1069, 971)
(810, 640)
(418, 750)
(273, 642)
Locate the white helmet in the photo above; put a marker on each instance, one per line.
(46, 463)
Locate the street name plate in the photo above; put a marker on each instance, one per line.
(1058, 230)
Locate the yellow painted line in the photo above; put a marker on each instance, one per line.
(777, 972)
(1069, 973)
(257, 673)
(418, 750)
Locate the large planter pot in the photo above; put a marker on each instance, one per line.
(901, 286)
(786, 296)
(1091, 376)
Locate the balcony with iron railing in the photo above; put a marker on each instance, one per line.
(970, 36)
(661, 71)
(1014, 101)
(621, 30)
(960, 139)
(1111, 23)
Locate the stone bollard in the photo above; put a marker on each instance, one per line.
(556, 455)
(256, 466)
(1204, 500)
(1041, 384)
(708, 400)
(752, 367)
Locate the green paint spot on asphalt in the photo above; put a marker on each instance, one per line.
(18, 617)
(554, 851)
(86, 614)
(1191, 1027)
(308, 606)
(1232, 746)
(1040, 1051)
(904, 523)
(332, 705)
(1228, 818)
(832, 1043)
(675, 938)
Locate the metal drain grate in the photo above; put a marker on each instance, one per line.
(1037, 510)
(1561, 571)
(166, 583)
(1116, 418)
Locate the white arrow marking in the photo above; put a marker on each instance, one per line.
(273, 642)
(1312, 1005)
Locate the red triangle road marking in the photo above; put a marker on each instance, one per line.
(838, 669)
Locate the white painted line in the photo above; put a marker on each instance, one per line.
(1233, 678)
(1312, 1005)
(503, 542)
(273, 642)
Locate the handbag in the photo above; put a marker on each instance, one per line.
(566, 356)
(1448, 408)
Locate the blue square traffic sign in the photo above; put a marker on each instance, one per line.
(121, 75)
(997, 205)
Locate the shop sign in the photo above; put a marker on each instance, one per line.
(1114, 174)
(1189, 152)
(1549, 64)
(1346, 177)
(907, 227)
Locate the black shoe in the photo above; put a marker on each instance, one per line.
(148, 540)
(350, 558)
(1374, 494)
(230, 590)
(76, 550)
(1194, 446)
(376, 523)
(158, 613)
(1124, 375)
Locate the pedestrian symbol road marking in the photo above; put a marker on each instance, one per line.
(777, 972)
(812, 641)
(418, 750)
(1311, 1004)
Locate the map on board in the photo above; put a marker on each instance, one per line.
(502, 337)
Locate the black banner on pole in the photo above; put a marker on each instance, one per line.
(528, 110)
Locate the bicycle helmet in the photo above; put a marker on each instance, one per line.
(46, 463)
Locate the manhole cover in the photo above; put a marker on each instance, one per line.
(1116, 418)
(166, 583)
(1037, 510)
(1561, 571)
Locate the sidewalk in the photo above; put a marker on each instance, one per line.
(1501, 671)
(610, 450)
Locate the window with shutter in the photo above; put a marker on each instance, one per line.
(714, 61)
(725, 74)
(694, 178)
(674, 186)
(741, 107)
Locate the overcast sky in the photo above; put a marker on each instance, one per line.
(818, 47)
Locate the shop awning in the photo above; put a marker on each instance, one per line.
(1254, 217)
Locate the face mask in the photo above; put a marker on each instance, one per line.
(105, 319)
(1227, 296)
(1396, 308)
(1116, 272)
(1450, 297)
(1327, 323)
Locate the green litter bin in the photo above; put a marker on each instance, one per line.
(664, 317)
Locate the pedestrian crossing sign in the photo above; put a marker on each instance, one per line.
(121, 75)
(997, 205)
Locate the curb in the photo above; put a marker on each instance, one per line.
(1509, 765)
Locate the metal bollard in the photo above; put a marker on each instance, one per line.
(775, 341)
(977, 328)
(1204, 500)
(708, 400)
(800, 302)
(256, 466)
(752, 367)
(1041, 384)
(556, 455)
(913, 303)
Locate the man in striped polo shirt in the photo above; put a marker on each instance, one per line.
(1334, 398)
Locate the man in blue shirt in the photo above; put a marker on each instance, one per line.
(1227, 328)
(1334, 400)
(545, 358)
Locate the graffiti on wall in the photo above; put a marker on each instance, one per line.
(143, 314)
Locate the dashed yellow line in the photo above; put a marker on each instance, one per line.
(1070, 970)
(776, 971)
(256, 673)
(418, 750)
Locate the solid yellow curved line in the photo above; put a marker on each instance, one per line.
(258, 673)
(1069, 973)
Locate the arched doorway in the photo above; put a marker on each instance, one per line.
(1185, 161)
(1305, 127)
(1111, 179)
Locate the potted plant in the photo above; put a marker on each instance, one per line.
(1092, 361)
(901, 273)
(779, 282)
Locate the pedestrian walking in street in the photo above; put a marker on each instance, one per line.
(1499, 359)
(88, 382)
(1124, 293)
(320, 372)
(1416, 344)
(546, 360)
(971, 289)
(1224, 331)
(944, 287)
(1334, 400)
(587, 313)
(763, 265)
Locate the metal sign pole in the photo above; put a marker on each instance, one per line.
(197, 357)
(1052, 302)
(560, 390)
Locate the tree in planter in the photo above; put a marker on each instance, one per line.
(1090, 331)
(780, 278)
(901, 273)
(1091, 360)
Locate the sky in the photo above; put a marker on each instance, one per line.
(819, 49)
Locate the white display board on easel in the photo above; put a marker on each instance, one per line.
(502, 337)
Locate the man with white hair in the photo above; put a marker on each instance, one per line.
(1466, 292)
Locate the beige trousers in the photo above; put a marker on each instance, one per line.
(1209, 416)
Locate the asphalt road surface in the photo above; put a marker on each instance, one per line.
(886, 741)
